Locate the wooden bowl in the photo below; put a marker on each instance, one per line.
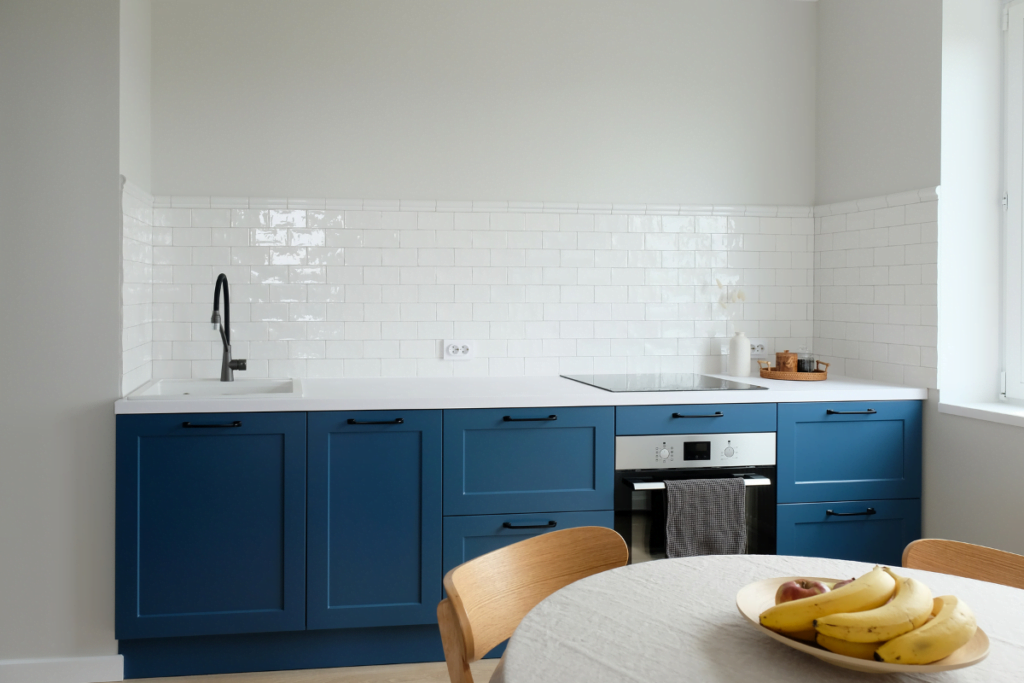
(756, 597)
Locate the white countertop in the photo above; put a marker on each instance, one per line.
(432, 393)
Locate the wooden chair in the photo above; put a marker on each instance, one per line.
(967, 560)
(490, 595)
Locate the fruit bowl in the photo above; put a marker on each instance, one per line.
(756, 597)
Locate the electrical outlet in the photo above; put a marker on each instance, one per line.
(758, 349)
(459, 349)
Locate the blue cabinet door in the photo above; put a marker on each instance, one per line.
(845, 531)
(210, 524)
(528, 460)
(374, 518)
(695, 419)
(849, 451)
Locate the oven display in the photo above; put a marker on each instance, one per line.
(697, 450)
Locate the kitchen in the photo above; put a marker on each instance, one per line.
(635, 146)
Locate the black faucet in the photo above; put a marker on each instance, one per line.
(227, 366)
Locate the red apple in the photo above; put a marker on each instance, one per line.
(840, 584)
(801, 588)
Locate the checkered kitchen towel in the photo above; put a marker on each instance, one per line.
(706, 517)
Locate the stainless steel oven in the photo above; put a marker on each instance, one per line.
(644, 463)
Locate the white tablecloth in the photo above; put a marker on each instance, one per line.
(676, 620)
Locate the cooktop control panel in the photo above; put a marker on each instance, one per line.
(678, 451)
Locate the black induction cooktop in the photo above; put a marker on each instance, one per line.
(660, 382)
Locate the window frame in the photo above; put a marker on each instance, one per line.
(1013, 259)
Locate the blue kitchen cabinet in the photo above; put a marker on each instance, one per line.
(867, 531)
(374, 518)
(695, 419)
(210, 524)
(528, 460)
(849, 479)
(849, 451)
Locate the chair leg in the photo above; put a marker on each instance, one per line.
(453, 643)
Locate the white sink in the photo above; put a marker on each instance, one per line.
(166, 389)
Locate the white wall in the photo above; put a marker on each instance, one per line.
(136, 92)
(60, 360)
(972, 471)
(877, 97)
(136, 287)
(678, 101)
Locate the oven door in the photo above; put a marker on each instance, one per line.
(641, 502)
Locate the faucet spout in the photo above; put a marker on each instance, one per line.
(227, 365)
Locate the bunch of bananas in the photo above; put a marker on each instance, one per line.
(879, 616)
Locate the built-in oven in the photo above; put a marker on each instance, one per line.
(644, 463)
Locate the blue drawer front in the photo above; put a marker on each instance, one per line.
(210, 524)
(468, 537)
(851, 454)
(374, 519)
(495, 466)
(806, 529)
(699, 419)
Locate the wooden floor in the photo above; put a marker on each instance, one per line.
(432, 672)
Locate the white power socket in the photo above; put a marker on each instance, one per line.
(459, 349)
(758, 349)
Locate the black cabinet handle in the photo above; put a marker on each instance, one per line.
(189, 425)
(677, 415)
(869, 411)
(510, 525)
(831, 513)
(509, 418)
(396, 421)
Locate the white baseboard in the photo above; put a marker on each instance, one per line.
(63, 670)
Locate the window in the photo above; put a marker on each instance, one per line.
(1013, 291)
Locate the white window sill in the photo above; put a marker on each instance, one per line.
(991, 411)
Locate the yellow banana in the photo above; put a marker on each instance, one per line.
(909, 609)
(952, 628)
(808, 636)
(867, 592)
(845, 647)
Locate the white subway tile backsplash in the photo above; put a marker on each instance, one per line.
(874, 287)
(268, 203)
(369, 288)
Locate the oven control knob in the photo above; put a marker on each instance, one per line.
(663, 452)
(729, 452)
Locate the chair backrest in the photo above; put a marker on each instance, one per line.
(490, 595)
(967, 560)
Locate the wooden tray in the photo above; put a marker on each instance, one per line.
(815, 376)
(756, 597)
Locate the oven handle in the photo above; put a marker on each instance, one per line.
(748, 480)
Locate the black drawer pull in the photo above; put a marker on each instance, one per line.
(509, 418)
(396, 421)
(831, 513)
(189, 425)
(869, 411)
(510, 525)
(718, 414)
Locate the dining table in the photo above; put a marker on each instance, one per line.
(677, 620)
